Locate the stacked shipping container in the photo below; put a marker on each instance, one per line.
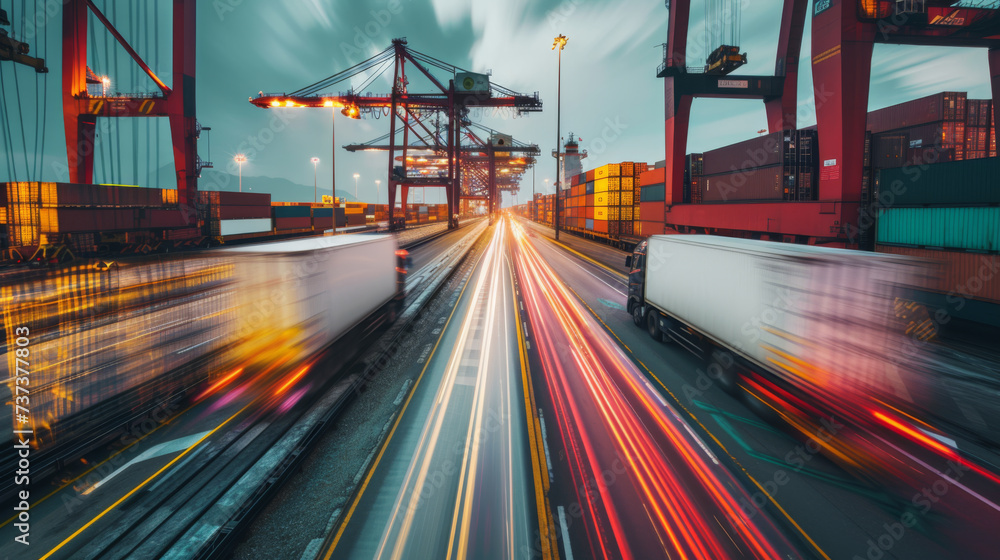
(234, 215)
(36, 213)
(948, 213)
(773, 167)
(605, 201)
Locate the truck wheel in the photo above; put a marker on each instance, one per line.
(653, 325)
(722, 368)
(637, 314)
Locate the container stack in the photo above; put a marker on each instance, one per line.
(234, 215)
(772, 167)
(926, 130)
(605, 201)
(977, 128)
(652, 197)
(322, 217)
(694, 170)
(949, 213)
(417, 214)
(292, 218)
(38, 213)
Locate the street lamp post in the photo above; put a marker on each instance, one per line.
(356, 176)
(533, 192)
(240, 159)
(378, 191)
(559, 42)
(315, 161)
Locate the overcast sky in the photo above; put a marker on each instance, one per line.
(609, 79)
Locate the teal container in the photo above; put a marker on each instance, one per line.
(291, 211)
(958, 183)
(968, 229)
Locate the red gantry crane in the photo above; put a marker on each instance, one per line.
(844, 33)
(176, 102)
(487, 167)
(454, 92)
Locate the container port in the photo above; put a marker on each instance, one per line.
(711, 329)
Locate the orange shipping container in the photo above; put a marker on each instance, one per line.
(961, 274)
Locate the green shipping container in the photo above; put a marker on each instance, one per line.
(957, 183)
(970, 229)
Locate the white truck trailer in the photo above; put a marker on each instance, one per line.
(813, 316)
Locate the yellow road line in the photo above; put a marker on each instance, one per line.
(142, 484)
(703, 427)
(402, 411)
(539, 469)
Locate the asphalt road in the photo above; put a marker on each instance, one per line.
(826, 510)
(453, 479)
(631, 480)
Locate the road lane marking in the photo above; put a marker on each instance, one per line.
(581, 255)
(545, 442)
(703, 427)
(158, 450)
(546, 526)
(142, 484)
(439, 411)
(402, 411)
(565, 533)
(470, 455)
(102, 463)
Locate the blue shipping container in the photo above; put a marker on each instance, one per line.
(970, 229)
(590, 224)
(323, 212)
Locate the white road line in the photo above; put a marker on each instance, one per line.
(180, 466)
(565, 533)
(545, 444)
(167, 448)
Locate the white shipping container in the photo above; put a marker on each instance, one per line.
(237, 227)
(808, 314)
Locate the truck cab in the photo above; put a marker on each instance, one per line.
(636, 283)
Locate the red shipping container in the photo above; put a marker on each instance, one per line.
(321, 223)
(72, 220)
(590, 212)
(957, 270)
(933, 108)
(591, 175)
(159, 218)
(243, 212)
(292, 223)
(590, 201)
(757, 184)
(762, 151)
(601, 226)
